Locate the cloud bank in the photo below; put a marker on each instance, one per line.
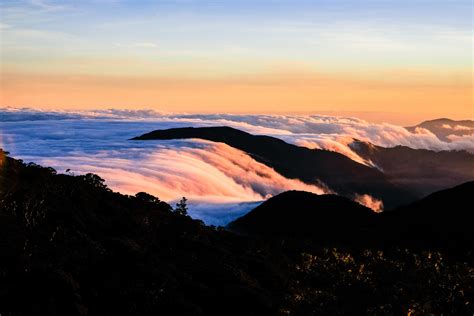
(221, 182)
(199, 170)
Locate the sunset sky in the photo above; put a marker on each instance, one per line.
(400, 61)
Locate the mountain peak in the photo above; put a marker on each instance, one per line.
(324, 217)
(443, 128)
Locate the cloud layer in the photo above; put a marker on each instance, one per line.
(220, 181)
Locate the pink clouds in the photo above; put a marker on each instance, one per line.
(370, 202)
(457, 127)
(205, 172)
(211, 172)
(338, 144)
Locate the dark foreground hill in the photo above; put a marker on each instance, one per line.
(443, 219)
(423, 171)
(70, 246)
(340, 173)
(324, 218)
(440, 220)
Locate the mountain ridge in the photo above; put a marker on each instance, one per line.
(324, 217)
(335, 170)
(444, 127)
(422, 170)
(441, 219)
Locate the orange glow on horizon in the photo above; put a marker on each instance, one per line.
(266, 93)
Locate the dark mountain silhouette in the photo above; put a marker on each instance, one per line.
(423, 171)
(444, 127)
(70, 246)
(323, 217)
(340, 173)
(442, 219)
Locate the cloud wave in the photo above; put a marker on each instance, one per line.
(200, 170)
(209, 174)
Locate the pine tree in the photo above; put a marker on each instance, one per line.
(182, 207)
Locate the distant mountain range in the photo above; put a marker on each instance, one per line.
(442, 219)
(403, 174)
(312, 166)
(444, 127)
(422, 171)
(71, 246)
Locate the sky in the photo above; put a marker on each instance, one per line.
(397, 61)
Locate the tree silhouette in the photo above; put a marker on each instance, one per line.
(94, 180)
(143, 196)
(182, 207)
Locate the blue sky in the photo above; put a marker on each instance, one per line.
(380, 33)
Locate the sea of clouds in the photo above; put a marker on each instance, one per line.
(221, 182)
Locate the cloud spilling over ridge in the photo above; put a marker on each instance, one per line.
(369, 201)
(335, 133)
(382, 134)
(292, 127)
(463, 141)
(208, 173)
(336, 143)
(200, 170)
(220, 182)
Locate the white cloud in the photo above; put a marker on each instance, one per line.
(199, 170)
(208, 173)
(4, 26)
(457, 127)
(137, 45)
(47, 5)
